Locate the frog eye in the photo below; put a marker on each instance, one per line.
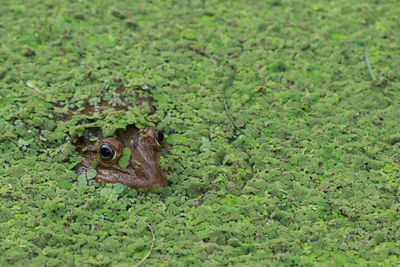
(160, 136)
(106, 152)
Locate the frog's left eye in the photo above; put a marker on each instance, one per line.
(106, 152)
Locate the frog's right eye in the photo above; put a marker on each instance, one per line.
(107, 152)
(159, 136)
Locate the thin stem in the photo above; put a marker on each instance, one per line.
(226, 107)
(371, 73)
(152, 243)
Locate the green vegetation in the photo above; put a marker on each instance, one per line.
(124, 160)
(283, 117)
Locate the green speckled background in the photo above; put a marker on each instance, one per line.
(285, 147)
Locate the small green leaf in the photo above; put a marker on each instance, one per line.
(189, 34)
(22, 142)
(106, 191)
(126, 152)
(93, 164)
(178, 139)
(161, 98)
(82, 181)
(118, 188)
(91, 173)
(65, 184)
(124, 160)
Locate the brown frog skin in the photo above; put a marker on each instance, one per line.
(144, 169)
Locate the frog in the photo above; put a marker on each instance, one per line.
(143, 169)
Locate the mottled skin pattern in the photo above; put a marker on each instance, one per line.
(144, 169)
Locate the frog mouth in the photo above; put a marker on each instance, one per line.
(115, 174)
(133, 178)
(126, 177)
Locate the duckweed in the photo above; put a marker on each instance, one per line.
(282, 149)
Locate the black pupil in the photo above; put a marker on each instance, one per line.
(160, 136)
(106, 152)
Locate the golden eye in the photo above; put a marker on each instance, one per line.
(107, 152)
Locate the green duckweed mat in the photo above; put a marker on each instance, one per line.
(283, 118)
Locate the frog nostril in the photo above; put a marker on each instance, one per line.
(160, 136)
(106, 152)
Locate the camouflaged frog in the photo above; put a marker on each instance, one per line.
(132, 158)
